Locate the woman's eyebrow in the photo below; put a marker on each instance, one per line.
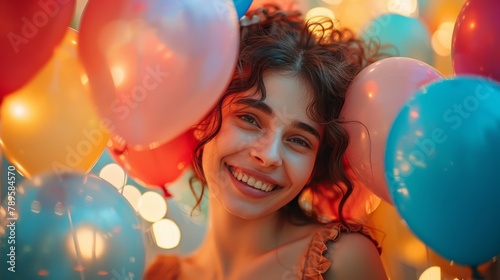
(266, 109)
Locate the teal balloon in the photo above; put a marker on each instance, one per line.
(242, 6)
(404, 36)
(442, 165)
(70, 226)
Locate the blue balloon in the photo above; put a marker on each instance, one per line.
(405, 36)
(242, 6)
(442, 167)
(70, 226)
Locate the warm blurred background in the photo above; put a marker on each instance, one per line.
(130, 64)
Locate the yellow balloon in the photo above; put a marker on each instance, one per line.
(49, 124)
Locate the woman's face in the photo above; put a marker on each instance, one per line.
(265, 151)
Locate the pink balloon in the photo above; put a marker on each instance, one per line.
(373, 101)
(475, 39)
(156, 67)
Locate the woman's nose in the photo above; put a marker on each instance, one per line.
(267, 150)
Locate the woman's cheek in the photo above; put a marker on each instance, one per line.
(302, 168)
(241, 138)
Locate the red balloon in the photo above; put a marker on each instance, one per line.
(157, 166)
(29, 32)
(475, 39)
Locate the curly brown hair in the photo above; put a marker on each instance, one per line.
(326, 58)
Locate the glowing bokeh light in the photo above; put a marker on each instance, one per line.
(315, 13)
(403, 7)
(133, 195)
(431, 273)
(442, 37)
(114, 174)
(166, 233)
(86, 243)
(152, 206)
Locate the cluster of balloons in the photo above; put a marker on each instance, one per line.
(49, 123)
(133, 79)
(429, 145)
(138, 74)
(135, 76)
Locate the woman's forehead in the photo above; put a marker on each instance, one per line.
(283, 85)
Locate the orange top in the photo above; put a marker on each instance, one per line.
(312, 267)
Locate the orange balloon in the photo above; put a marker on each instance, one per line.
(49, 123)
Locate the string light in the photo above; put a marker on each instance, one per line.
(152, 206)
(166, 233)
(403, 7)
(133, 195)
(441, 38)
(431, 273)
(114, 174)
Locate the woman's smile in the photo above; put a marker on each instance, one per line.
(252, 183)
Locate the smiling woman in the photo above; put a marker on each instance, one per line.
(254, 143)
(274, 134)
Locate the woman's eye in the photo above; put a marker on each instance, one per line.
(249, 119)
(300, 142)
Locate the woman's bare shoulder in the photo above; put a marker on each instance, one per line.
(354, 256)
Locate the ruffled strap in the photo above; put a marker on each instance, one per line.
(164, 267)
(314, 264)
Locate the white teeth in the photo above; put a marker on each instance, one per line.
(258, 185)
(251, 181)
